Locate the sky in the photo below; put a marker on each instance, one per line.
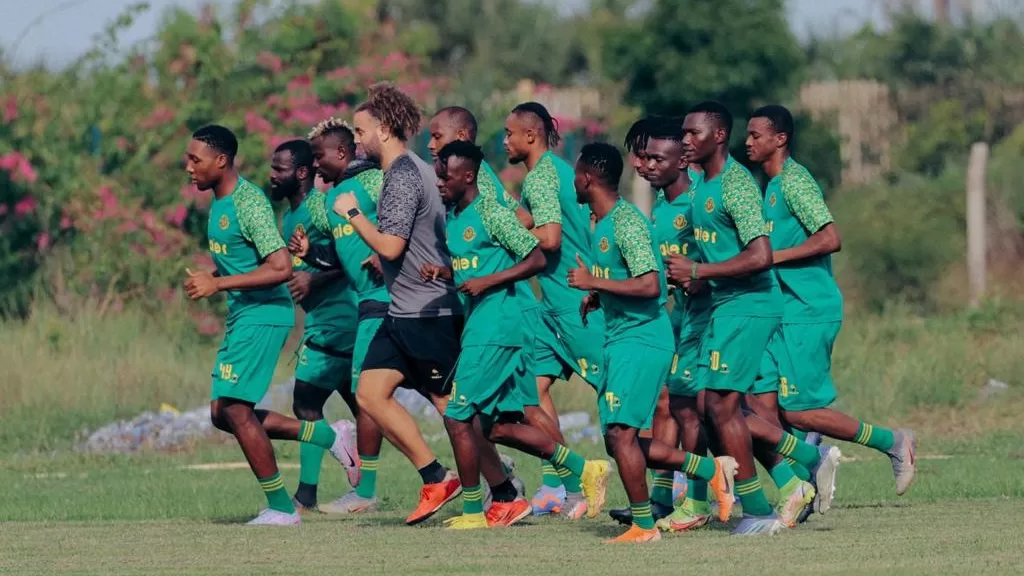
(57, 31)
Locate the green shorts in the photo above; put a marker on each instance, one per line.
(485, 383)
(634, 375)
(324, 358)
(806, 375)
(246, 362)
(681, 376)
(365, 331)
(731, 352)
(526, 374)
(564, 345)
(773, 361)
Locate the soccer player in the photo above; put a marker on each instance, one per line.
(803, 237)
(626, 280)
(564, 344)
(324, 358)
(492, 253)
(252, 266)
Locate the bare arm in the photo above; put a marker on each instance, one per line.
(644, 286)
(757, 256)
(528, 267)
(275, 269)
(822, 243)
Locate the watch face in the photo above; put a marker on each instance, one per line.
(353, 212)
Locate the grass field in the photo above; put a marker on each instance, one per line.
(67, 513)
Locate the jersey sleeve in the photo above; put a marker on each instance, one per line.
(400, 199)
(256, 220)
(491, 186)
(804, 198)
(316, 205)
(633, 237)
(502, 225)
(373, 182)
(540, 192)
(742, 199)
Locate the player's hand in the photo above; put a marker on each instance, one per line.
(431, 272)
(200, 285)
(580, 277)
(373, 265)
(475, 286)
(696, 287)
(300, 285)
(590, 303)
(298, 244)
(677, 268)
(343, 203)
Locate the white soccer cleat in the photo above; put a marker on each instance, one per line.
(344, 449)
(270, 517)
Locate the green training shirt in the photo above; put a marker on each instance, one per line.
(242, 232)
(795, 208)
(549, 195)
(486, 238)
(331, 305)
(727, 215)
(673, 232)
(624, 248)
(490, 185)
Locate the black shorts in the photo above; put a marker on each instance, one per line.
(424, 350)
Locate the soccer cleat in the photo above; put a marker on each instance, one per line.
(625, 515)
(636, 535)
(721, 485)
(595, 485)
(689, 516)
(794, 499)
(679, 486)
(434, 496)
(752, 525)
(904, 459)
(344, 449)
(575, 507)
(466, 522)
(305, 510)
(351, 503)
(510, 466)
(825, 477)
(507, 513)
(813, 438)
(268, 517)
(548, 500)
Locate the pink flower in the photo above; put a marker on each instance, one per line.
(167, 294)
(339, 73)
(274, 100)
(160, 116)
(65, 222)
(122, 143)
(277, 140)
(177, 216)
(203, 261)
(299, 82)
(108, 199)
(269, 61)
(395, 60)
(19, 167)
(10, 161)
(4, 209)
(10, 110)
(148, 220)
(127, 226)
(207, 324)
(42, 241)
(256, 124)
(25, 206)
(25, 172)
(365, 70)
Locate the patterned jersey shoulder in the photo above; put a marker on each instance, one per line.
(633, 237)
(803, 196)
(372, 180)
(540, 192)
(316, 205)
(401, 193)
(503, 225)
(256, 218)
(741, 197)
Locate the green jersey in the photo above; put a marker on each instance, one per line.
(673, 232)
(795, 208)
(726, 216)
(624, 248)
(242, 232)
(490, 185)
(332, 305)
(549, 195)
(351, 249)
(486, 238)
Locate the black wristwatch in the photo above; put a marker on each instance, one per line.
(352, 213)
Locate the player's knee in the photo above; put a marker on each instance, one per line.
(304, 411)
(217, 417)
(616, 438)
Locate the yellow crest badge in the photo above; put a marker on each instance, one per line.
(468, 234)
(709, 205)
(679, 222)
(224, 222)
(603, 245)
(300, 228)
(771, 200)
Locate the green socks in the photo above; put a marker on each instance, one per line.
(472, 500)
(310, 457)
(798, 469)
(782, 474)
(565, 458)
(876, 437)
(367, 487)
(277, 496)
(549, 476)
(642, 515)
(569, 480)
(752, 497)
(801, 452)
(318, 433)
(661, 493)
(697, 489)
(699, 466)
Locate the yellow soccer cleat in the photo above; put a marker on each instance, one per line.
(466, 522)
(595, 485)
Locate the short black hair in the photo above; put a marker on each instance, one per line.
(666, 128)
(302, 155)
(604, 160)
(218, 138)
(779, 117)
(343, 133)
(717, 111)
(550, 126)
(463, 118)
(461, 149)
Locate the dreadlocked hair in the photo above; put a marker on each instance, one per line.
(550, 125)
(394, 109)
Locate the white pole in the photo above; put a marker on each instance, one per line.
(976, 222)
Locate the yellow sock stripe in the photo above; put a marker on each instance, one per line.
(788, 445)
(473, 495)
(750, 488)
(364, 465)
(663, 483)
(561, 454)
(641, 510)
(865, 433)
(272, 485)
(564, 472)
(692, 463)
(790, 461)
(306, 432)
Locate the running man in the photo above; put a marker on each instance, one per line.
(252, 266)
(324, 358)
(804, 236)
(626, 280)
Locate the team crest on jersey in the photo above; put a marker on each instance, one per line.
(679, 222)
(468, 234)
(771, 200)
(709, 205)
(300, 228)
(603, 245)
(224, 222)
